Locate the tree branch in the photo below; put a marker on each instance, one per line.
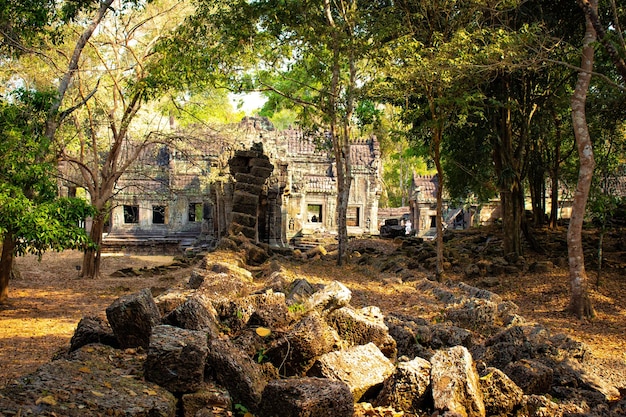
(602, 36)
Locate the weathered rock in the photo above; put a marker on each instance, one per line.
(455, 384)
(364, 368)
(92, 330)
(515, 343)
(196, 313)
(317, 250)
(209, 398)
(176, 358)
(500, 394)
(479, 293)
(93, 381)
(405, 331)
(195, 280)
(571, 373)
(306, 340)
(132, 318)
(233, 314)
(531, 376)
(540, 406)
(408, 387)
(255, 255)
(224, 280)
(333, 296)
(237, 372)
(541, 267)
(445, 335)
(170, 299)
(359, 327)
(307, 397)
(299, 291)
(270, 310)
(474, 314)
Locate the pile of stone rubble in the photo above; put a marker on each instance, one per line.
(212, 346)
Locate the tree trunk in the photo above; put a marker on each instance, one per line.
(508, 178)
(91, 257)
(580, 303)
(439, 219)
(6, 265)
(343, 193)
(53, 121)
(554, 174)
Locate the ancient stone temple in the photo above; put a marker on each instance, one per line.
(268, 185)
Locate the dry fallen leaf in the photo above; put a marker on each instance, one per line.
(263, 331)
(84, 370)
(48, 400)
(97, 393)
(150, 392)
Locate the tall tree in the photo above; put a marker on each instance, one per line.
(580, 302)
(32, 218)
(103, 144)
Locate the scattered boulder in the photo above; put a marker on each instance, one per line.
(531, 376)
(270, 310)
(237, 372)
(364, 368)
(455, 383)
(359, 327)
(299, 291)
(306, 397)
(195, 280)
(308, 339)
(196, 313)
(176, 358)
(500, 394)
(92, 330)
(217, 347)
(333, 296)
(408, 388)
(209, 398)
(132, 318)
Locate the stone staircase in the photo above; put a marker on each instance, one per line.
(306, 242)
(149, 242)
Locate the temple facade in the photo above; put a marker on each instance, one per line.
(269, 185)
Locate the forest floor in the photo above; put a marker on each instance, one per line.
(49, 299)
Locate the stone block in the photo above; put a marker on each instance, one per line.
(306, 340)
(210, 398)
(176, 358)
(333, 296)
(455, 383)
(196, 313)
(500, 394)
(358, 328)
(531, 376)
(237, 372)
(364, 368)
(306, 397)
(407, 388)
(92, 330)
(132, 318)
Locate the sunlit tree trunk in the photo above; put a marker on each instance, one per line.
(439, 219)
(6, 265)
(91, 257)
(580, 303)
(340, 135)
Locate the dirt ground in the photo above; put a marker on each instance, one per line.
(50, 298)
